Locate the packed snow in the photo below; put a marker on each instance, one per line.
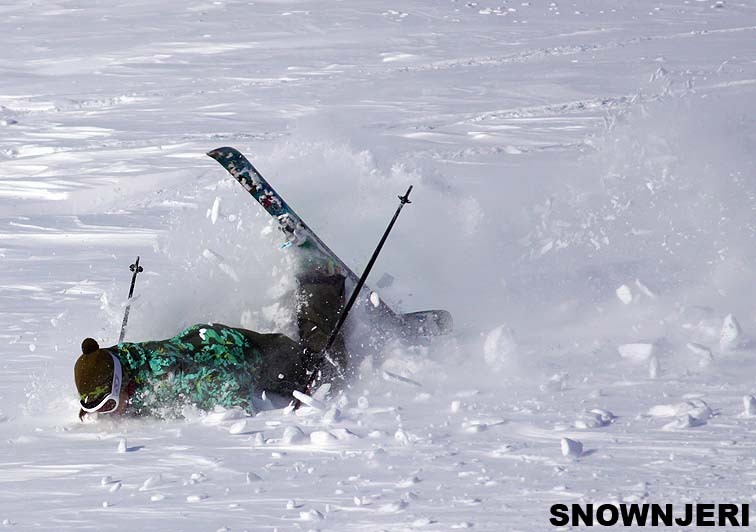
(584, 205)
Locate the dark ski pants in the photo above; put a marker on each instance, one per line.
(321, 299)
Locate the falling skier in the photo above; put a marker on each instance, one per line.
(212, 364)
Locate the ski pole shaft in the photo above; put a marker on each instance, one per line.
(136, 268)
(403, 200)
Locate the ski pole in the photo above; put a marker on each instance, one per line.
(402, 201)
(136, 268)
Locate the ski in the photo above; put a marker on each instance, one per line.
(315, 254)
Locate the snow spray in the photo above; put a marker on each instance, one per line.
(403, 200)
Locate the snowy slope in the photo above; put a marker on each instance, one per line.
(584, 203)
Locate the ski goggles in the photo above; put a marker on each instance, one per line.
(109, 402)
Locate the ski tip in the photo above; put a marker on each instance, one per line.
(224, 152)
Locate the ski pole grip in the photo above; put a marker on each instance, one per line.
(405, 199)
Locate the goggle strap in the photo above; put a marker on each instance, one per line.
(115, 389)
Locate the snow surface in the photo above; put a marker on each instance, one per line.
(584, 180)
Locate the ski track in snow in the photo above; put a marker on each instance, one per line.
(559, 51)
(584, 183)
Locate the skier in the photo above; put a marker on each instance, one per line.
(213, 364)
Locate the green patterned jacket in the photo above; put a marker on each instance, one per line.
(207, 365)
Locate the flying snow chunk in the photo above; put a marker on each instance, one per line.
(402, 437)
(219, 415)
(556, 383)
(195, 478)
(151, 482)
(645, 289)
(322, 437)
(498, 347)
(214, 210)
(474, 426)
(393, 377)
(571, 448)
(309, 401)
(311, 515)
(624, 294)
(595, 418)
(291, 504)
(122, 448)
(211, 255)
(653, 368)
(332, 415)
(749, 405)
(292, 435)
(696, 408)
(359, 501)
(238, 427)
(375, 300)
(390, 57)
(636, 352)
(731, 334)
(684, 422)
(322, 392)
